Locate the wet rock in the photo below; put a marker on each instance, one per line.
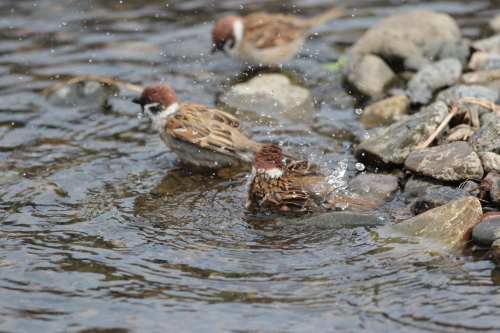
(486, 232)
(495, 23)
(396, 142)
(81, 94)
(432, 77)
(374, 185)
(382, 112)
(450, 224)
(449, 162)
(339, 219)
(457, 48)
(495, 251)
(491, 162)
(436, 198)
(454, 93)
(490, 44)
(419, 186)
(406, 34)
(489, 116)
(270, 95)
(368, 75)
(487, 138)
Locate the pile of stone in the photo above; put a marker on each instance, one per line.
(434, 111)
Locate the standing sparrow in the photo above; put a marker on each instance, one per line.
(265, 39)
(290, 188)
(198, 134)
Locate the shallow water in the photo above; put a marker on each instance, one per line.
(103, 230)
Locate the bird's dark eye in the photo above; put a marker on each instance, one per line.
(156, 108)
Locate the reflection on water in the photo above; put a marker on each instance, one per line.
(102, 229)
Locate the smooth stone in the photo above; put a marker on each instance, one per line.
(486, 232)
(269, 94)
(81, 94)
(407, 34)
(449, 225)
(484, 61)
(415, 63)
(487, 138)
(489, 116)
(432, 77)
(457, 48)
(368, 75)
(396, 142)
(420, 186)
(340, 219)
(490, 44)
(381, 113)
(454, 93)
(495, 23)
(495, 251)
(375, 185)
(449, 162)
(491, 162)
(436, 198)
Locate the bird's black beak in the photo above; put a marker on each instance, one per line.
(139, 101)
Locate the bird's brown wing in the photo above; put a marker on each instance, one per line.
(281, 194)
(209, 128)
(304, 173)
(265, 30)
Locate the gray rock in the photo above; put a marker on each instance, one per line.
(490, 44)
(454, 93)
(416, 63)
(396, 142)
(340, 219)
(270, 95)
(489, 116)
(453, 161)
(432, 77)
(449, 225)
(487, 138)
(419, 186)
(81, 94)
(406, 34)
(495, 187)
(436, 198)
(491, 162)
(368, 75)
(459, 133)
(457, 48)
(374, 185)
(495, 251)
(486, 232)
(382, 112)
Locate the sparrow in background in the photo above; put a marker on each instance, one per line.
(265, 39)
(198, 134)
(290, 188)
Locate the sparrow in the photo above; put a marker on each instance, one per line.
(293, 187)
(263, 39)
(198, 134)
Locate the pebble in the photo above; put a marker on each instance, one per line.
(437, 197)
(382, 112)
(486, 232)
(486, 138)
(491, 162)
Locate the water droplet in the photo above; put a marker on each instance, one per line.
(360, 166)
(366, 188)
(367, 135)
(261, 20)
(358, 111)
(195, 132)
(261, 170)
(139, 115)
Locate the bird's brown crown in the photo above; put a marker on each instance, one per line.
(267, 158)
(223, 29)
(160, 93)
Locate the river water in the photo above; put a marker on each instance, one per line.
(102, 230)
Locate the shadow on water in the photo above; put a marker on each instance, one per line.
(103, 230)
